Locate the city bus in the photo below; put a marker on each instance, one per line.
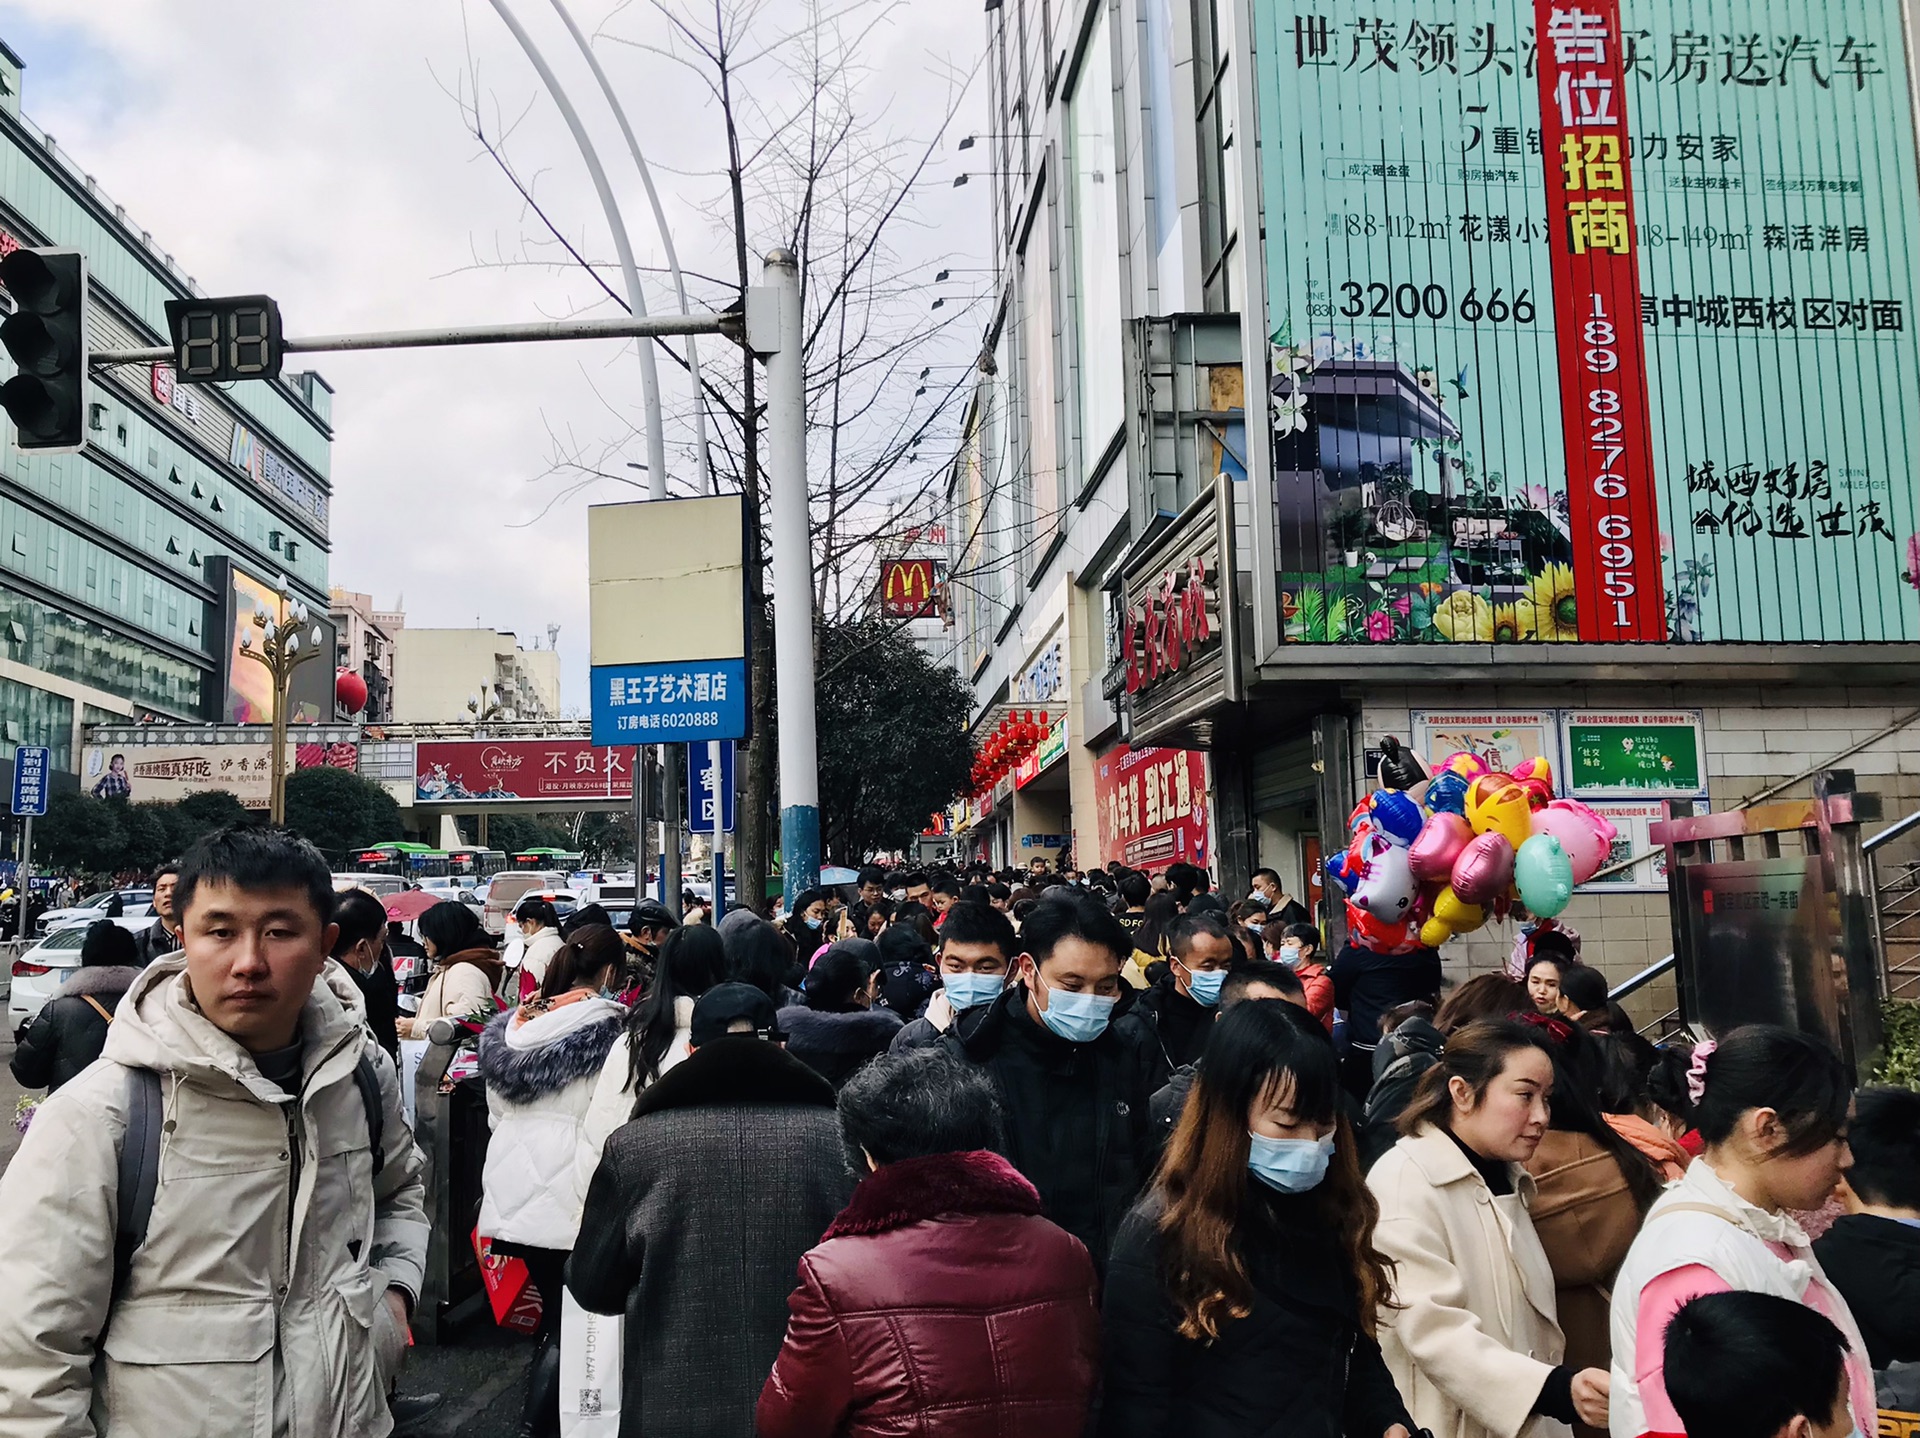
(408, 861)
(473, 863)
(563, 861)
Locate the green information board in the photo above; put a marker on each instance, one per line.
(1659, 752)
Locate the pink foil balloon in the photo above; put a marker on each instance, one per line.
(1484, 869)
(1586, 836)
(1467, 766)
(1432, 854)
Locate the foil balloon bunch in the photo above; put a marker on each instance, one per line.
(1434, 856)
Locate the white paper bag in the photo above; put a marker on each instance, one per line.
(589, 1372)
(412, 1051)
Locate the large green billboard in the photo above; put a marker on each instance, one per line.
(1441, 194)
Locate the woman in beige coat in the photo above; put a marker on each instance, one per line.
(1472, 1339)
(465, 969)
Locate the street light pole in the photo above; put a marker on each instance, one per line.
(280, 652)
(792, 566)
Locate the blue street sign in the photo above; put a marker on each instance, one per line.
(32, 765)
(701, 799)
(682, 703)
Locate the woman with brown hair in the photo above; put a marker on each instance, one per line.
(1242, 1290)
(1475, 1340)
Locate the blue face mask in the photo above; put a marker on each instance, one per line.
(1204, 985)
(1290, 955)
(1077, 1017)
(969, 991)
(1291, 1165)
(811, 923)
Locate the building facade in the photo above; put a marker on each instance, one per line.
(451, 676)
(123, 567)
(364, 641)
(1532, 386)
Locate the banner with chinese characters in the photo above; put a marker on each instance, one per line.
(1152, 806)
(457, 771)
(1591, 320)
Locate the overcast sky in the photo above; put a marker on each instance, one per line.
(315, 153)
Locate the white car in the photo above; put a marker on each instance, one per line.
(136, 903)
(39, 972)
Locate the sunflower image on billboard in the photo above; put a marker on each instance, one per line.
(1591, 320)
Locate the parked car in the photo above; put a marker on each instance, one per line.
(135, 904)
(39, 972)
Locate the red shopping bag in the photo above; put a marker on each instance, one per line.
(515, 1299)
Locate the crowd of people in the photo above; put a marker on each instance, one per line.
(957, 1153)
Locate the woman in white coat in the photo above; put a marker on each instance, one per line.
(692, 960)
(540, 940)
(1472, 1338)
(540, 1062)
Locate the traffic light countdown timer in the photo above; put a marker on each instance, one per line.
(46, 336)
(217, 340)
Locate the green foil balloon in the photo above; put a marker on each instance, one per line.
(1543, 874)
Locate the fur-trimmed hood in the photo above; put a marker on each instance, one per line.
(527, 1061)
(937, 1186)
(856, 1031)
(100, 981)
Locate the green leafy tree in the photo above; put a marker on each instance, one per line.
(512, 832)
(892, 735)
(80, 832)
(149, 832)
(337, 810)
(606, 837)
(202, 813)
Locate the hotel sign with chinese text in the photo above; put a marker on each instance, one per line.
(1591, 320)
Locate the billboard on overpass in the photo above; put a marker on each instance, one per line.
(461, 771)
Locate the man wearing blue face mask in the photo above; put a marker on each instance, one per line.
(977, 949)
(1171, 1020)
(1074, 1086)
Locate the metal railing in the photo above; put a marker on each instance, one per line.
(1896, 912)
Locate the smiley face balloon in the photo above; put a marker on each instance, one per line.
(1498, 805)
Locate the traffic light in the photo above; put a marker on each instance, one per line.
(235, 337)
(47, 336)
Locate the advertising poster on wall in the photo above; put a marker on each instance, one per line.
(526, 770)
(1500, 738)
(1632, 821)
(1152, 807)
(1591, 320)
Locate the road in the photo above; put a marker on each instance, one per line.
(479, 1376)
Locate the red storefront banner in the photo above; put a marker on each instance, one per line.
(1152, 807)
(528, 770)
(1596, 306)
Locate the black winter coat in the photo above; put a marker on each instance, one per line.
(1875, 1263)
(68, 1032)
(694, 1225)
(1169, 1025)
(1076, 1114)
(1367, 984)
(1297, 1366)
(380, 992)
(155, 942)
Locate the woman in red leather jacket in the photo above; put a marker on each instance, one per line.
(939, 1300)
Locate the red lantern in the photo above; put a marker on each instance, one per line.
(351, 691)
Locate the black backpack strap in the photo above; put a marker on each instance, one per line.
(366, 1078)
(139, 1170)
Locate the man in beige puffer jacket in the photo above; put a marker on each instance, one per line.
(270, 1296)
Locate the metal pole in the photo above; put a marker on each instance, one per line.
(24, 893)
(707, 476)
(717, 910)
(674, 756)
(639, 821)
(792, 583)
(447, 335)
(623, 248)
